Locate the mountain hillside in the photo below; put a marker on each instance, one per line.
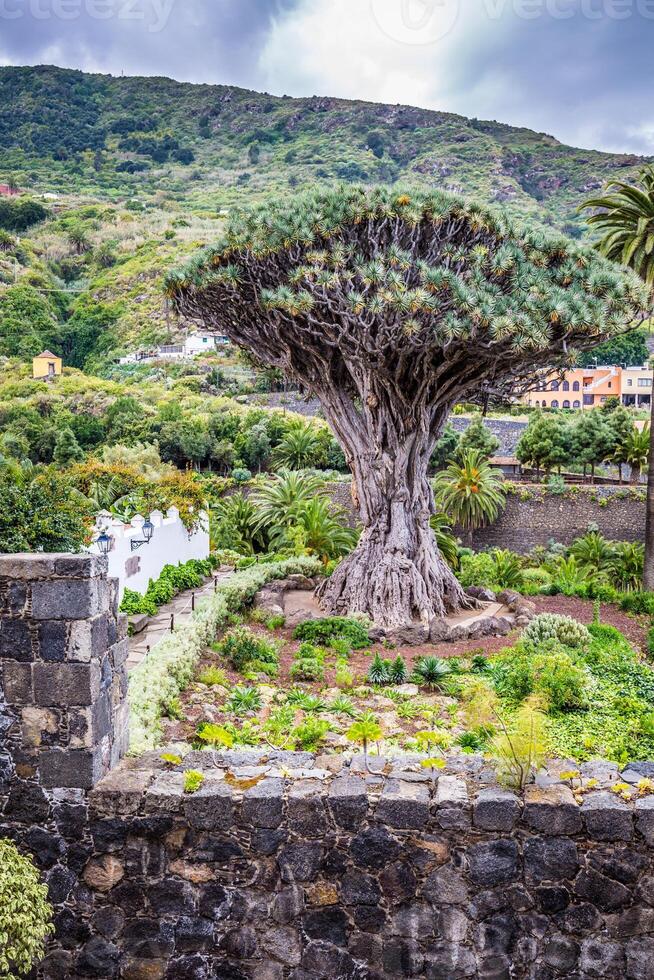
(213, 144)
(136, 173)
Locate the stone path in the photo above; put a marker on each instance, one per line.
(159, 625)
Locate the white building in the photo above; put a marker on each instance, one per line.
(195, 345)
(134, 561)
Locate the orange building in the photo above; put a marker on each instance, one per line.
(580, 388)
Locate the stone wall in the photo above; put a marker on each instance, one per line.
(534, 517)
(618, 512)
(63, 680)
(284, 866)
(277, 869)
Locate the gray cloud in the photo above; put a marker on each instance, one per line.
(579, 69)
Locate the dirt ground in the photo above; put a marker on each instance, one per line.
(198, 701)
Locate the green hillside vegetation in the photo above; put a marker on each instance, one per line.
(124, 178)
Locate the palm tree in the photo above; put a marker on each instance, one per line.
(626, 221)
(445, 539)
(318, 528)
(298, 449)
(636, 451)
(284, 493)
(469, 491)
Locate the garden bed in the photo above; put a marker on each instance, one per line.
(609, 686)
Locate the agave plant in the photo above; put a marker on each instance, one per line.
(379, 672)
(431, 671)
(398, 671)
(244, 700)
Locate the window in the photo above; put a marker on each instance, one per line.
(566, 386)
(575, 386)
(589, 399)
(610, 384)
(576, 404)
(554, 387)
(537, 404)
(644, 383)
(555, 403)
(630, 382)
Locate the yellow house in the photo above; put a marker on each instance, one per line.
(46, 366)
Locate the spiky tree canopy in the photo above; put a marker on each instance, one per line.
(390, 307)
(424, 288)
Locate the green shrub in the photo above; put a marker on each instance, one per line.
(310, 733)
(323, 631)
(535, 581)
(135, 604)
(241, 647)
(640, 603)
(307, 670)
(25, 915)
(552, 675)
(160, 592)
(549, 627)
(477, 569)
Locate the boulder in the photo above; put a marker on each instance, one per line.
(301, 582)
(410, 636)
(483, 595)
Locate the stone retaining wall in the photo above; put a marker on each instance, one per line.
(534, 517)
(285, 870)
(284, 866)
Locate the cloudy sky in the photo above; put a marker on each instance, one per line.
(582, 70)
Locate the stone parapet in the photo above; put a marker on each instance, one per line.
(287, 866)
(63, 679)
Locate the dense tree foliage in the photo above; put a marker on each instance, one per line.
(390, 307)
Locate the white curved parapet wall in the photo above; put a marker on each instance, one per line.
(170, 544)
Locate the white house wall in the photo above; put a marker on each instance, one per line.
(170, 545)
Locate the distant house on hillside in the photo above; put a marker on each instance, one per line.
(7, 191)
(47, 365)
(194, 345)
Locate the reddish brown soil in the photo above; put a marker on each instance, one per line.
(634, 628)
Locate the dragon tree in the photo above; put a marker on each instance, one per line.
(391, 307)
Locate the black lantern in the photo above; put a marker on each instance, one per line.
(104, 542)
(147, 530)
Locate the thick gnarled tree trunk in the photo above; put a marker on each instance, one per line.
(396, 575)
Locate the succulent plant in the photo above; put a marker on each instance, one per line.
(552, 628)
